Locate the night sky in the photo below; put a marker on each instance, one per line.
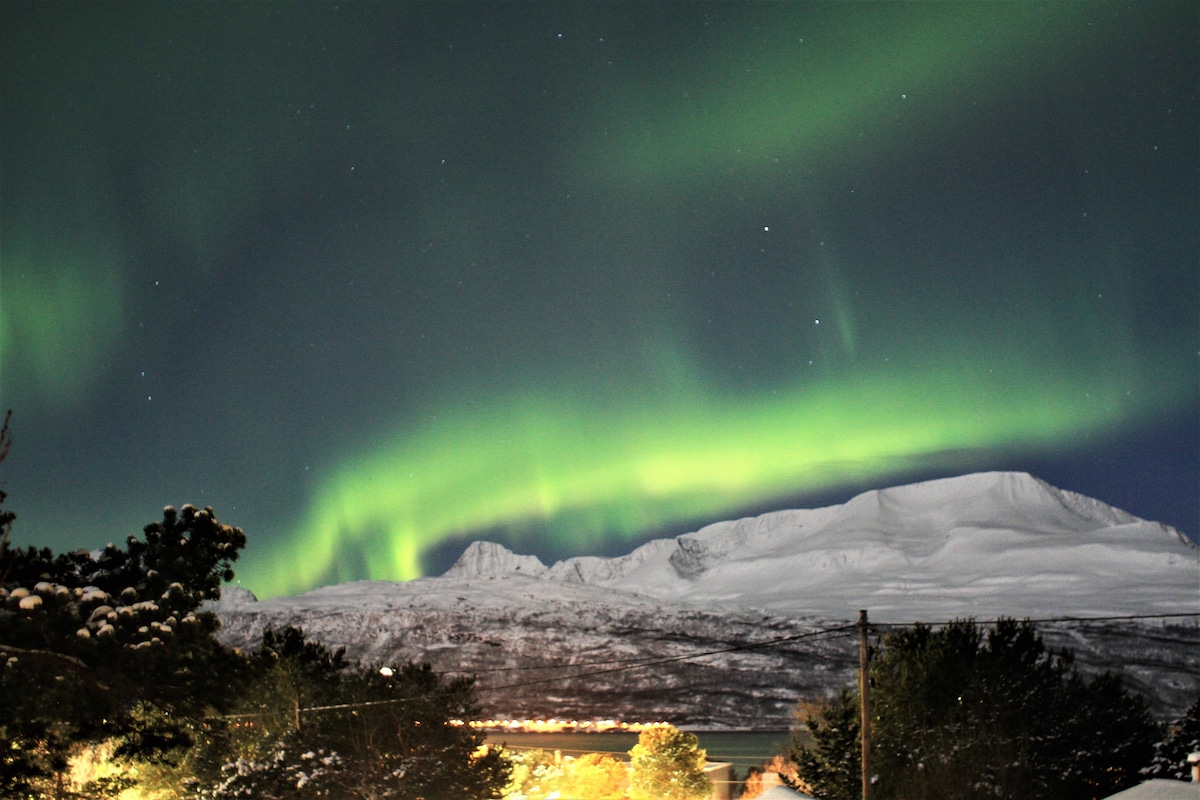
(375, 280)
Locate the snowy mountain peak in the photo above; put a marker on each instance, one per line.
(481, 559)
(981, 546)
(987, 497)
(964, 545)
(236, 596)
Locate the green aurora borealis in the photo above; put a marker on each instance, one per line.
(584, 470)
(378, 279)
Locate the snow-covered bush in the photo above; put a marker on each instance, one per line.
(111, 645)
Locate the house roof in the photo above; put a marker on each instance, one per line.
(782, 793)
(1160, 790)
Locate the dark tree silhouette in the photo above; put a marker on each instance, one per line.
(109, 646)
(958, 712)
(358, 731)
(1182, 739)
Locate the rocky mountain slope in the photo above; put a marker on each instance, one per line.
(769, 601)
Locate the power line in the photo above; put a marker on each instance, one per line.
(634, 661)
(1040, 620)
(626, 665)
(833, 632)
(637, 662)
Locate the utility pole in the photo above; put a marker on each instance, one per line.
(864, 694)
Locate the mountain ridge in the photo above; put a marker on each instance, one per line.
(983, 546)
(930, 532)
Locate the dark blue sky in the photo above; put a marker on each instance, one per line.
(377, 279)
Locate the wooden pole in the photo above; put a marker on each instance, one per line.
(864, 694)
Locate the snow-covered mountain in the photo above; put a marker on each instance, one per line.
(978, 545)
(981, 545)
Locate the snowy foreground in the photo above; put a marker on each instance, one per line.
(981, 545)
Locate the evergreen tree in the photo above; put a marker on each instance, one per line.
(1182, 739)
(956, 712)
(831, 768)
(667, 764)
(1109, 737)
(963, 713)
(368, 733)
(405, 733)
(293, 672)
(286, 674)
(110, 647)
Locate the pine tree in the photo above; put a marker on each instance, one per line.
(1110, 738)
(110, 647)
(958, 712)
(1170, 755)
(367, 733)
(831, 769)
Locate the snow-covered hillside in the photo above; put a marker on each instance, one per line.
(981, 545)
(978, 545)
